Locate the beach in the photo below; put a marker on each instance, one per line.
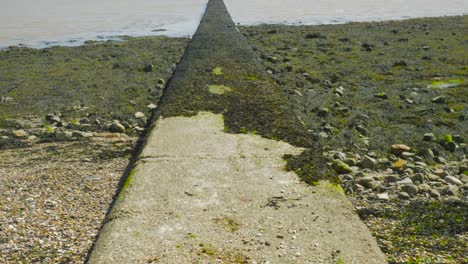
(71, 117)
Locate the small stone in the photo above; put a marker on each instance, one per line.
(403, 195)
(116, 127)
(405, 181)
(406, 155)
(149, 68)
(428, 153)
(52, 118)
(341, 167)
(434, 193)
(453, 199)
(410, 189)
(368, 162)
(423, 188)
(429, 137)
(397, 149)
(391, 178)
(450, 190)
(452, 168)
(369, 182)
(6, 99)
(139, 115)
(20, 133)
(438, 99)
(151, 106)
(383, 196)
(340, 156)
(452, 180)
(323, 111)
(418, 177)
(350, 161)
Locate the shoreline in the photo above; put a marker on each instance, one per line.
(80, 40)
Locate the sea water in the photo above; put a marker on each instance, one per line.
(71, 22)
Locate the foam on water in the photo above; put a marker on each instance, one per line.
(70, 22)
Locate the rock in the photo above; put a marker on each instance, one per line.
(323, 111)
(116, 127)
(339, 91)
(418, 177)
(450, 146)
(438, 99)
(458, 138)
(6, 99)
(420, 164)
(398, 149)
(423, 188)
(80, 134)
(440, 160)
(383, 196)
(52, 118)
(452, 168)
(410, 189)
(453, 199)
(404, 195)
(450, 190)
(20, 133)
(139, 115)
(434, 193)
(340, 156)
(405, 181)
(369, 182)
(406, 155)
(149, 68)
(391, 178)
(452, 180)
(368, 162)
(465, 186)
(381, 95)
(341, 167)
(272, 59)
(350, 161)
(151, 106)
(409, 101)
(429, 137)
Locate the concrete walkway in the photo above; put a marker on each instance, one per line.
(200, 195)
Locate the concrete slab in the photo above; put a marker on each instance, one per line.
(200, 195)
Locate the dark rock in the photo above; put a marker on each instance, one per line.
(410, 189)
(438, 99)
(149, 68)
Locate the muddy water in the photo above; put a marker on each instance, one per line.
(70, 22)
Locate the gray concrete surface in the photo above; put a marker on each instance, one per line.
(200, 195)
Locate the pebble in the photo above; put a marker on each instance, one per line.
(410, 189)
(453, 180)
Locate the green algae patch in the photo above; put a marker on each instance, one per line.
(228, 224)
(251, 77)
(446, 84)
(310, 167)
(127, 183)
(219, 89)
(218, 71)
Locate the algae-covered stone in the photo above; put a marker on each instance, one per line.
(219, 89)
(341, 167)
(438, 99)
